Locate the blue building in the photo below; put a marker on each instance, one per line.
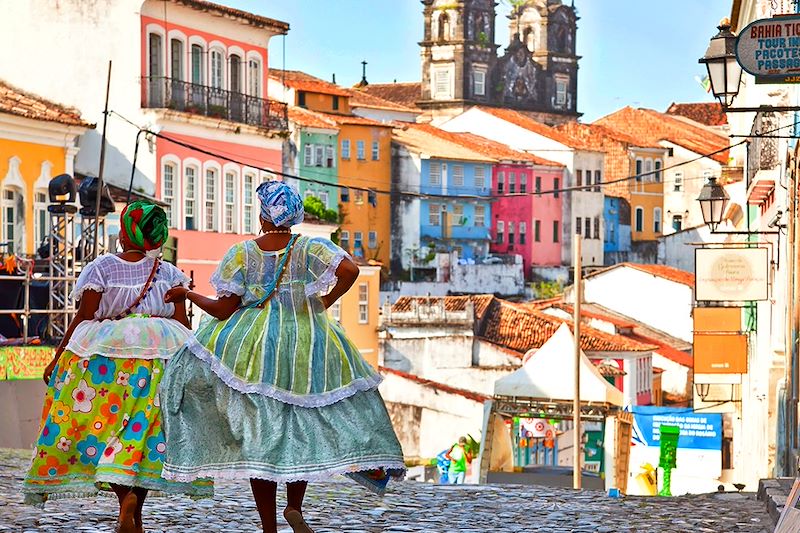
(617, 221)
(452, 210)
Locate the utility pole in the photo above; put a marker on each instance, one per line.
(576, 402)
(95, 250)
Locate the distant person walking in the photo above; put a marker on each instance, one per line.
(460, 457)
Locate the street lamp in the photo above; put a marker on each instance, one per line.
(713, 201)
(724, 72)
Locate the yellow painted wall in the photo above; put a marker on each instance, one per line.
(323, 102)
(364, 335)
(647, 194)
(31, 156)
(361, 216)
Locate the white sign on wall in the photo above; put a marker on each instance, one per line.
(731, 274)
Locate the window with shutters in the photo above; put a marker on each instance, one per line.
(458, 175)
(435, 173)
(168, 193)
(211, 200)
(512, 182)
(231, 185)
(360, 153)
(247, 203)
(523, 182)
(480, 177)
(330, 157)
(344, 195)
(372, 239)
(434, 214)
(523, 229)
(587, 228)
(344, 239)
(376, 151)
(578, 225)
(499, 232)
(501, 182)
(345, 148)
(308, 155)
(596, 228)
(363, 303)
(480, 215)
(319, 155)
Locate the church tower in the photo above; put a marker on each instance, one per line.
(458, 55)
(548, 29)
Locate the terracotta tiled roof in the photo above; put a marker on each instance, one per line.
(569, 308)
(470, 395)
(361, 98)
(480, 303)
(653, 126)
(353, 120)
(487, 147)
(708, 113)
(306, 82)
(522, 329)
(530, 124)
(595, 135)
(664, 271)
(434, 145)
(257, 20)
(405, 93)
(310, 119)
(609, 370)
(674, 355)
(17, 102)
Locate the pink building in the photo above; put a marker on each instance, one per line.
(204, 79)
(526, 222)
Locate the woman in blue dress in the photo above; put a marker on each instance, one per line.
(270, 389)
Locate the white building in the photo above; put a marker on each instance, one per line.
(584, 168)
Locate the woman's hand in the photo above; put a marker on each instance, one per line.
(176, 294)
(48, 370)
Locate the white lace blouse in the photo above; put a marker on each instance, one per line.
(150, 332)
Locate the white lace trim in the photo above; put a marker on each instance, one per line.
(226, 288)
(250, 470)
(328, 279)
(78, 291)
(271, 391)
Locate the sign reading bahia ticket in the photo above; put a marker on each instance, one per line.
(769, 49)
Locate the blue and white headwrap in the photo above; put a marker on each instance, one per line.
(280, 203)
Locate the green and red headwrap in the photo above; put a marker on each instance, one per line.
(143, 225)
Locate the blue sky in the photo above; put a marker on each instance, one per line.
(641, 53)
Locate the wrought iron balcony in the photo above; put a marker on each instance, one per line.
(159, 92)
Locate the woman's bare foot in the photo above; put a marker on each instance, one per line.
(127, 512)
(295, 519)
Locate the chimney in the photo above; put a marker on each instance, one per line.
(333, 78)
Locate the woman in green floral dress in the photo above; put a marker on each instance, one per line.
(270, 389)
(101, 423)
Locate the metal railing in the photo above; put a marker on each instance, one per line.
(25, 312)
(159, 92)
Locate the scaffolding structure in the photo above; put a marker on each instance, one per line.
(63, 269)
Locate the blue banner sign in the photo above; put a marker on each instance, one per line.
(700, 431)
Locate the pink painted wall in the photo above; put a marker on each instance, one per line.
(208, 37)
(202, 250)
(528, 208)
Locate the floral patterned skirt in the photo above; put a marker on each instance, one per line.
(101, 424)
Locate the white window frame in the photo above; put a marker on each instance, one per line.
(216, 67)
(523, 232)
(197, 44)
(372, 239)
(442, 83)
(435, 171)
(648, 169)
(330, 156)
(345, 148)
(658, 167)
(480, 216)
(677, 180)
(323, 197)
(41, 218)
(501, 182)
(658, 225)
(210, 196)
(319, 155)
(358, 240)
(230, 199)
(479, 177)
(336, 311)
(363, 303)
(499, 232)
(479, 82)
(434, 215)
(361, 153)
(170, 195)
(344, 239)
(562, 89)
(308, 155)
(458, 175)
(190, 200)
(248, 202)
(376, 151)
(254, 74)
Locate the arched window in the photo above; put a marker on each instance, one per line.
(639, 219)
(197, 65)
(169, 187)
(41, 219)
(12, 209)
(190, 198)
(210, 204)
(217, 69)
(231, 197)
(236, 84)
(444, 27)
(254, 77)
(658, 170)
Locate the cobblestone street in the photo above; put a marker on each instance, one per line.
(344, 506)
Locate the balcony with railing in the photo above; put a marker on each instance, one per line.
(160, 92)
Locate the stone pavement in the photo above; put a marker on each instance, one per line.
(345, 506)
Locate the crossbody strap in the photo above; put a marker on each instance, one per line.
(142, 294)
(282, 265)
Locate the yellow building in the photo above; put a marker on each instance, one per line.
(357, 311)
(646, 192)
(365, 175)
(37, 142)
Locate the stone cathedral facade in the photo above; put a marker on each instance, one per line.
(462, 66)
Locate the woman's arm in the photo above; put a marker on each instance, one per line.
(180, 314)
(346, 275)
(89, 303)
(220, 308)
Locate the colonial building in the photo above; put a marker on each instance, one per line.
(197, 76)
(38, 141)
(461, 67)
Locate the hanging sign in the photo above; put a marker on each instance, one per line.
(731, 274)
(769, 49)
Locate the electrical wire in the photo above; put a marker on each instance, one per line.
(420, 194)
